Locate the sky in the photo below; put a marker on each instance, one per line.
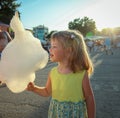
(56, 14)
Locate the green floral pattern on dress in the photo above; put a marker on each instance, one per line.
(67, 109)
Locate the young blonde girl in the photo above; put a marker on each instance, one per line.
(68, 83)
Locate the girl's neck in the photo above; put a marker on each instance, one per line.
(64, 68)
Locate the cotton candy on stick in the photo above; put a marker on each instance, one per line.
(21, 58)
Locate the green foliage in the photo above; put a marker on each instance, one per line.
(7, 10)
(83, 25)
(49, 35)
(107, 31)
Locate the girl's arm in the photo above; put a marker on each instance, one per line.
(43, 91)
(89, 97)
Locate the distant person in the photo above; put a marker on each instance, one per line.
(4, 40)
(107, 44)
(68, 83)
(90, 45)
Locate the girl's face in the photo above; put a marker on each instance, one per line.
(57, 52)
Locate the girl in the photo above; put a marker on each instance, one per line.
(68, 83)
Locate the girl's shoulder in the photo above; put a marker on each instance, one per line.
(54, 68)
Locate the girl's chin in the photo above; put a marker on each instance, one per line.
(53, 60)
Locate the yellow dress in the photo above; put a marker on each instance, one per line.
(67, 95)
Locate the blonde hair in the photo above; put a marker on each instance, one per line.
(79, 58)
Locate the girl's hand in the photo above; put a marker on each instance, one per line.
(30, 86)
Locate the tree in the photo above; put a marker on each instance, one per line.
(49, 35)
(83, 25)
(108, 32)
(7, 10)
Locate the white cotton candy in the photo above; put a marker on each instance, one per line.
(21, 58)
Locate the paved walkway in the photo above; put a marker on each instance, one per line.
(105, 82)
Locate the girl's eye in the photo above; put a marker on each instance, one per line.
(53, 47)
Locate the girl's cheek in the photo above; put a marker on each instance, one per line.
(50, 49)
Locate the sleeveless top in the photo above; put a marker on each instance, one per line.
(67, 87)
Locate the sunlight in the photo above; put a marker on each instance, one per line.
(104, 13)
